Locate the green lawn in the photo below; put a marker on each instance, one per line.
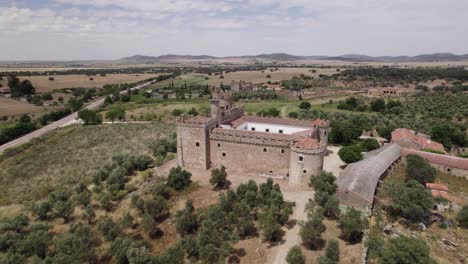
(69, 155)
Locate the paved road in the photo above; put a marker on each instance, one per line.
(60, 123)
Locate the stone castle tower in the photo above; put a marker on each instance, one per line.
(268, 147)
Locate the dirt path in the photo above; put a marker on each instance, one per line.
(292, 238)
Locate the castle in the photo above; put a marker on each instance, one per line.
(251, 145)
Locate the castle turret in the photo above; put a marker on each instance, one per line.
(306, 159)
(220, 104)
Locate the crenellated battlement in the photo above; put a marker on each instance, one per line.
(279, 147)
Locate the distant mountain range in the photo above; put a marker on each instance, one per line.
(435, 57)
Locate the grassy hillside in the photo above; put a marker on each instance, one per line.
(68, 155)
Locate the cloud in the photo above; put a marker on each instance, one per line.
(109, 29)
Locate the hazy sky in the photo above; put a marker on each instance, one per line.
(111, 29)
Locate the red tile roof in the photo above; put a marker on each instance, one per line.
(308, 143)
(437, 193)
(437, 186)
(419, 140)
(445, 160)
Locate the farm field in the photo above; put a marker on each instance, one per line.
(260, 77)
(256, 77)
(10, 107)
(43, 84)
(69, 155)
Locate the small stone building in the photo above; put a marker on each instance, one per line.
(269, 147)
(389, 91)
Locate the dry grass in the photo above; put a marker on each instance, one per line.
(11, 107)
(260, 77)
(434, 234)
(69, 155)
(42, 83)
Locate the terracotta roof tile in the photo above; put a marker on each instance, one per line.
(437, 186)
(437, 193)
(308, 143)
(419, 140)
(445, 160)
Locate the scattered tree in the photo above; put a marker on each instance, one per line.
(219, 177)
(417, 168)
(352, 225)
(179, 178)
(406, 250)
(186, 220)
(411, 200)
(370, 144)
(350, 154)
(295, 256)
(311, 231)
(304, 105)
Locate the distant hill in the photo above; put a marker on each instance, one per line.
(435, 57)
(277, 57)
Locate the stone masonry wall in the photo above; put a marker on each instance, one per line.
(250, 152)
(311, 164)
(192, 147)
(250, 158)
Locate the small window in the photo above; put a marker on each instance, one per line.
(253, 129)
(264, 150)
(301, 158)
(271, 172)
(224, 154)
(282, 150)
(287, 175)
(267, 130)
(281, 131)
(219, 145)
(448, 169)
(304, 171)
(197, 144)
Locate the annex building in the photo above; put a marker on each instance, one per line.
(269, 147)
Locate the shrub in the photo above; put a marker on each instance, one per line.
(109, 229)
(352, 225)
(331, 209)
(178, 178)
(295, 256)
(417, 168)
(271, 230)
(157, 207)
(161, 189)
(293, 115)
(350, 154)
(332, 251)
(324, 185)
(305, 105)
(311, 231)
(186, 220)
(411, 200)
(406, 250)
(219, 177)
(369, 144)
(192, 111)
(89, 117)
(462, 217)
(177, 112)
(344, 132)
